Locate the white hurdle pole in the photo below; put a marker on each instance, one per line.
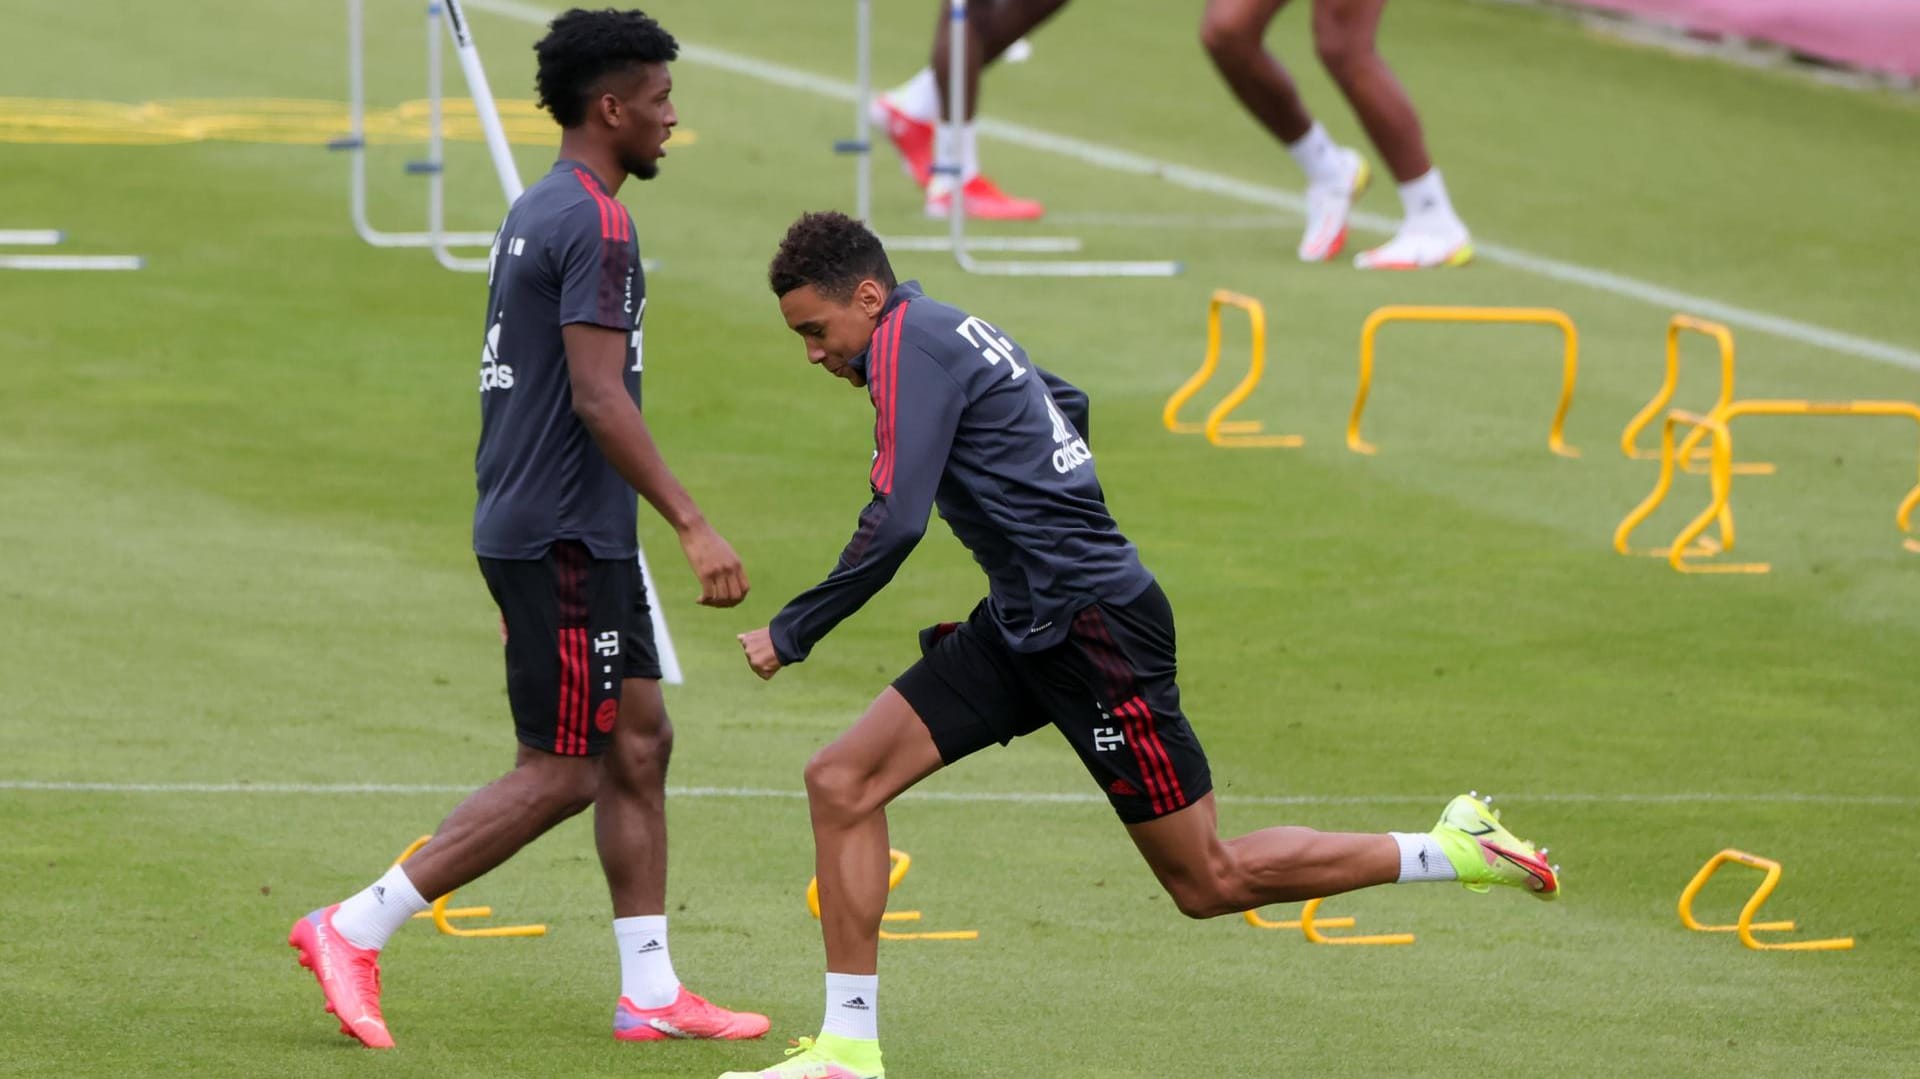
(957, 208)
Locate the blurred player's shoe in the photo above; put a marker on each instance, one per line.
(349, 976)
(912, 138)
(1329, 205)
(1484, 853)
(827, 1057)
(985, 202)
(1420, 248)
(689, 1016)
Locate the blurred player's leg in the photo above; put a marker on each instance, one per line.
(1232, 31)
(1432, 233)
(911, 113)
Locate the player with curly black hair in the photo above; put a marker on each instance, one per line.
(564, 453)
(1074, 633)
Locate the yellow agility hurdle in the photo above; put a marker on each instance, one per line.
(1310, 926)
(1545, 316)
(899, 862)
(443, 915)
(1221, 431)
(1723, 338)
(1745, 927)
(1719, 426)
(1623, 534)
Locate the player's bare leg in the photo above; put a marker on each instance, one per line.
(1233, 32)
(849, 784)
(1208, 876)
(494, 822)
(1344, 37)
(630, 806)
(630, 831)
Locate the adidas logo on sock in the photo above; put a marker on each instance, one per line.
(858, 1004)
(652, 945)
(380, 894)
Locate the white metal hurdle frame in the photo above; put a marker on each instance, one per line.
(956, 240)
(54, 237)
(433, 167)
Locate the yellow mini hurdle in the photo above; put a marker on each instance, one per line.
(1745, 926)
(899, 862)
(1310, 925)
(1718, 425)
(1545, 316)
(1723, 338)
(1220, 430)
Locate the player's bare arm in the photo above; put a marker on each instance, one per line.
(596, 357)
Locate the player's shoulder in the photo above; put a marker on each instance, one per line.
(569, 199)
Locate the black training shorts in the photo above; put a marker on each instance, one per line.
(1109, 687)
(576, 626)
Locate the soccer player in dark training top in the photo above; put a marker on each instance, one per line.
(1074, 633)
(563, 451)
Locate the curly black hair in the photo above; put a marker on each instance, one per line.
(583, 47)
(832, 252)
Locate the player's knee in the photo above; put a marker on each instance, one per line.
(1228, 34)
(836, 786)
(1341, 49)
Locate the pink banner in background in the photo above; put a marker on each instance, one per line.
(1876, 35)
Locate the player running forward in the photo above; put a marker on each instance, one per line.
(1343, 35)
(563, 449)
(1074, 633)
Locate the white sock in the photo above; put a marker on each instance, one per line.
(1427, 204)
(1421, 858)
(947, 150)
(918, 97)
(853, 1006)
(1318, 156)
(379, 910)
(646, 969)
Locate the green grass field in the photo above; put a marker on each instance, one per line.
(235, 492)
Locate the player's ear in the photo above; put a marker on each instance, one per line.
(872, 297)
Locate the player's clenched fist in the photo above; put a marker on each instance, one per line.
(758, 645)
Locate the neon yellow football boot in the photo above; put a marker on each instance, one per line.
(829, 1056)
(1484, 853)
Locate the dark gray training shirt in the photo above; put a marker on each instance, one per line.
(963, 421)
(565, 254)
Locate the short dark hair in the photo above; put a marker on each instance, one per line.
(583, 47)
(833, 253)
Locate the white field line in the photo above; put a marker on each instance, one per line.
(988, 797)
(1213, 183)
